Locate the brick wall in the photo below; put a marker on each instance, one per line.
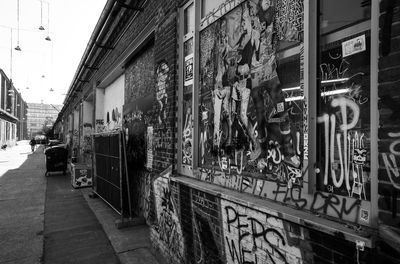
(139, 75)
(389, 125)
(165, 55)
(389, 115)
(216, 230)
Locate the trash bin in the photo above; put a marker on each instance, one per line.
(56, 159)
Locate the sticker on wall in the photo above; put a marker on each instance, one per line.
(353, 46)
(364, 215)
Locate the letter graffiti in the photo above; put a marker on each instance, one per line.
(323, 203)
(331, 71)
(347, 109)
(390, 162)
(255, 237)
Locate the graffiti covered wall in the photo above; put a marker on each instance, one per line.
(256, 237)
(167, 232)
(217, 231)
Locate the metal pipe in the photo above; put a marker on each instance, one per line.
(89, 47)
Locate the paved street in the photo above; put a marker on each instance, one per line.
(45, 220)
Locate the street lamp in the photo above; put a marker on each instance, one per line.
(41, 16)
(48, 19)
(48, 22)
(17, 47)
(11, 50)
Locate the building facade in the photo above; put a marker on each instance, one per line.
(257, 131)
(12, 113)
(40, 115)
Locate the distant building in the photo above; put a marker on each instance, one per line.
(39, 115)
(12, 112)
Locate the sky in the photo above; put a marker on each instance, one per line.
(42, 65)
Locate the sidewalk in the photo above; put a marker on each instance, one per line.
(76, 228)
(132, 244)
(22, 196)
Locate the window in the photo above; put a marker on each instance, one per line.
(189, 19)
(343, 99)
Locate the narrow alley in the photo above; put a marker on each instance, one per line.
(45, 220)
(208, 132)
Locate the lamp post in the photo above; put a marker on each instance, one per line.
(48, 19)
(17, 48)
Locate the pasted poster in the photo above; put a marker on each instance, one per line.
(189, 68)
(251, 105)
(187, 113)
(149, 148)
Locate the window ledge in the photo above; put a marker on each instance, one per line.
(390, 235)
(302, 218)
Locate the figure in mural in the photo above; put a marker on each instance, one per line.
(162, 79)
(245, 58)
(222, 88)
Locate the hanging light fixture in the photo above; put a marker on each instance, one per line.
(51, 90)
(41, 16)
(17, 47)
(48, 22)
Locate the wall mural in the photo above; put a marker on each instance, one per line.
(246, 123)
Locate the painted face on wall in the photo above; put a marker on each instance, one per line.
(223, 29)
(246, 24)
(265, 4)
